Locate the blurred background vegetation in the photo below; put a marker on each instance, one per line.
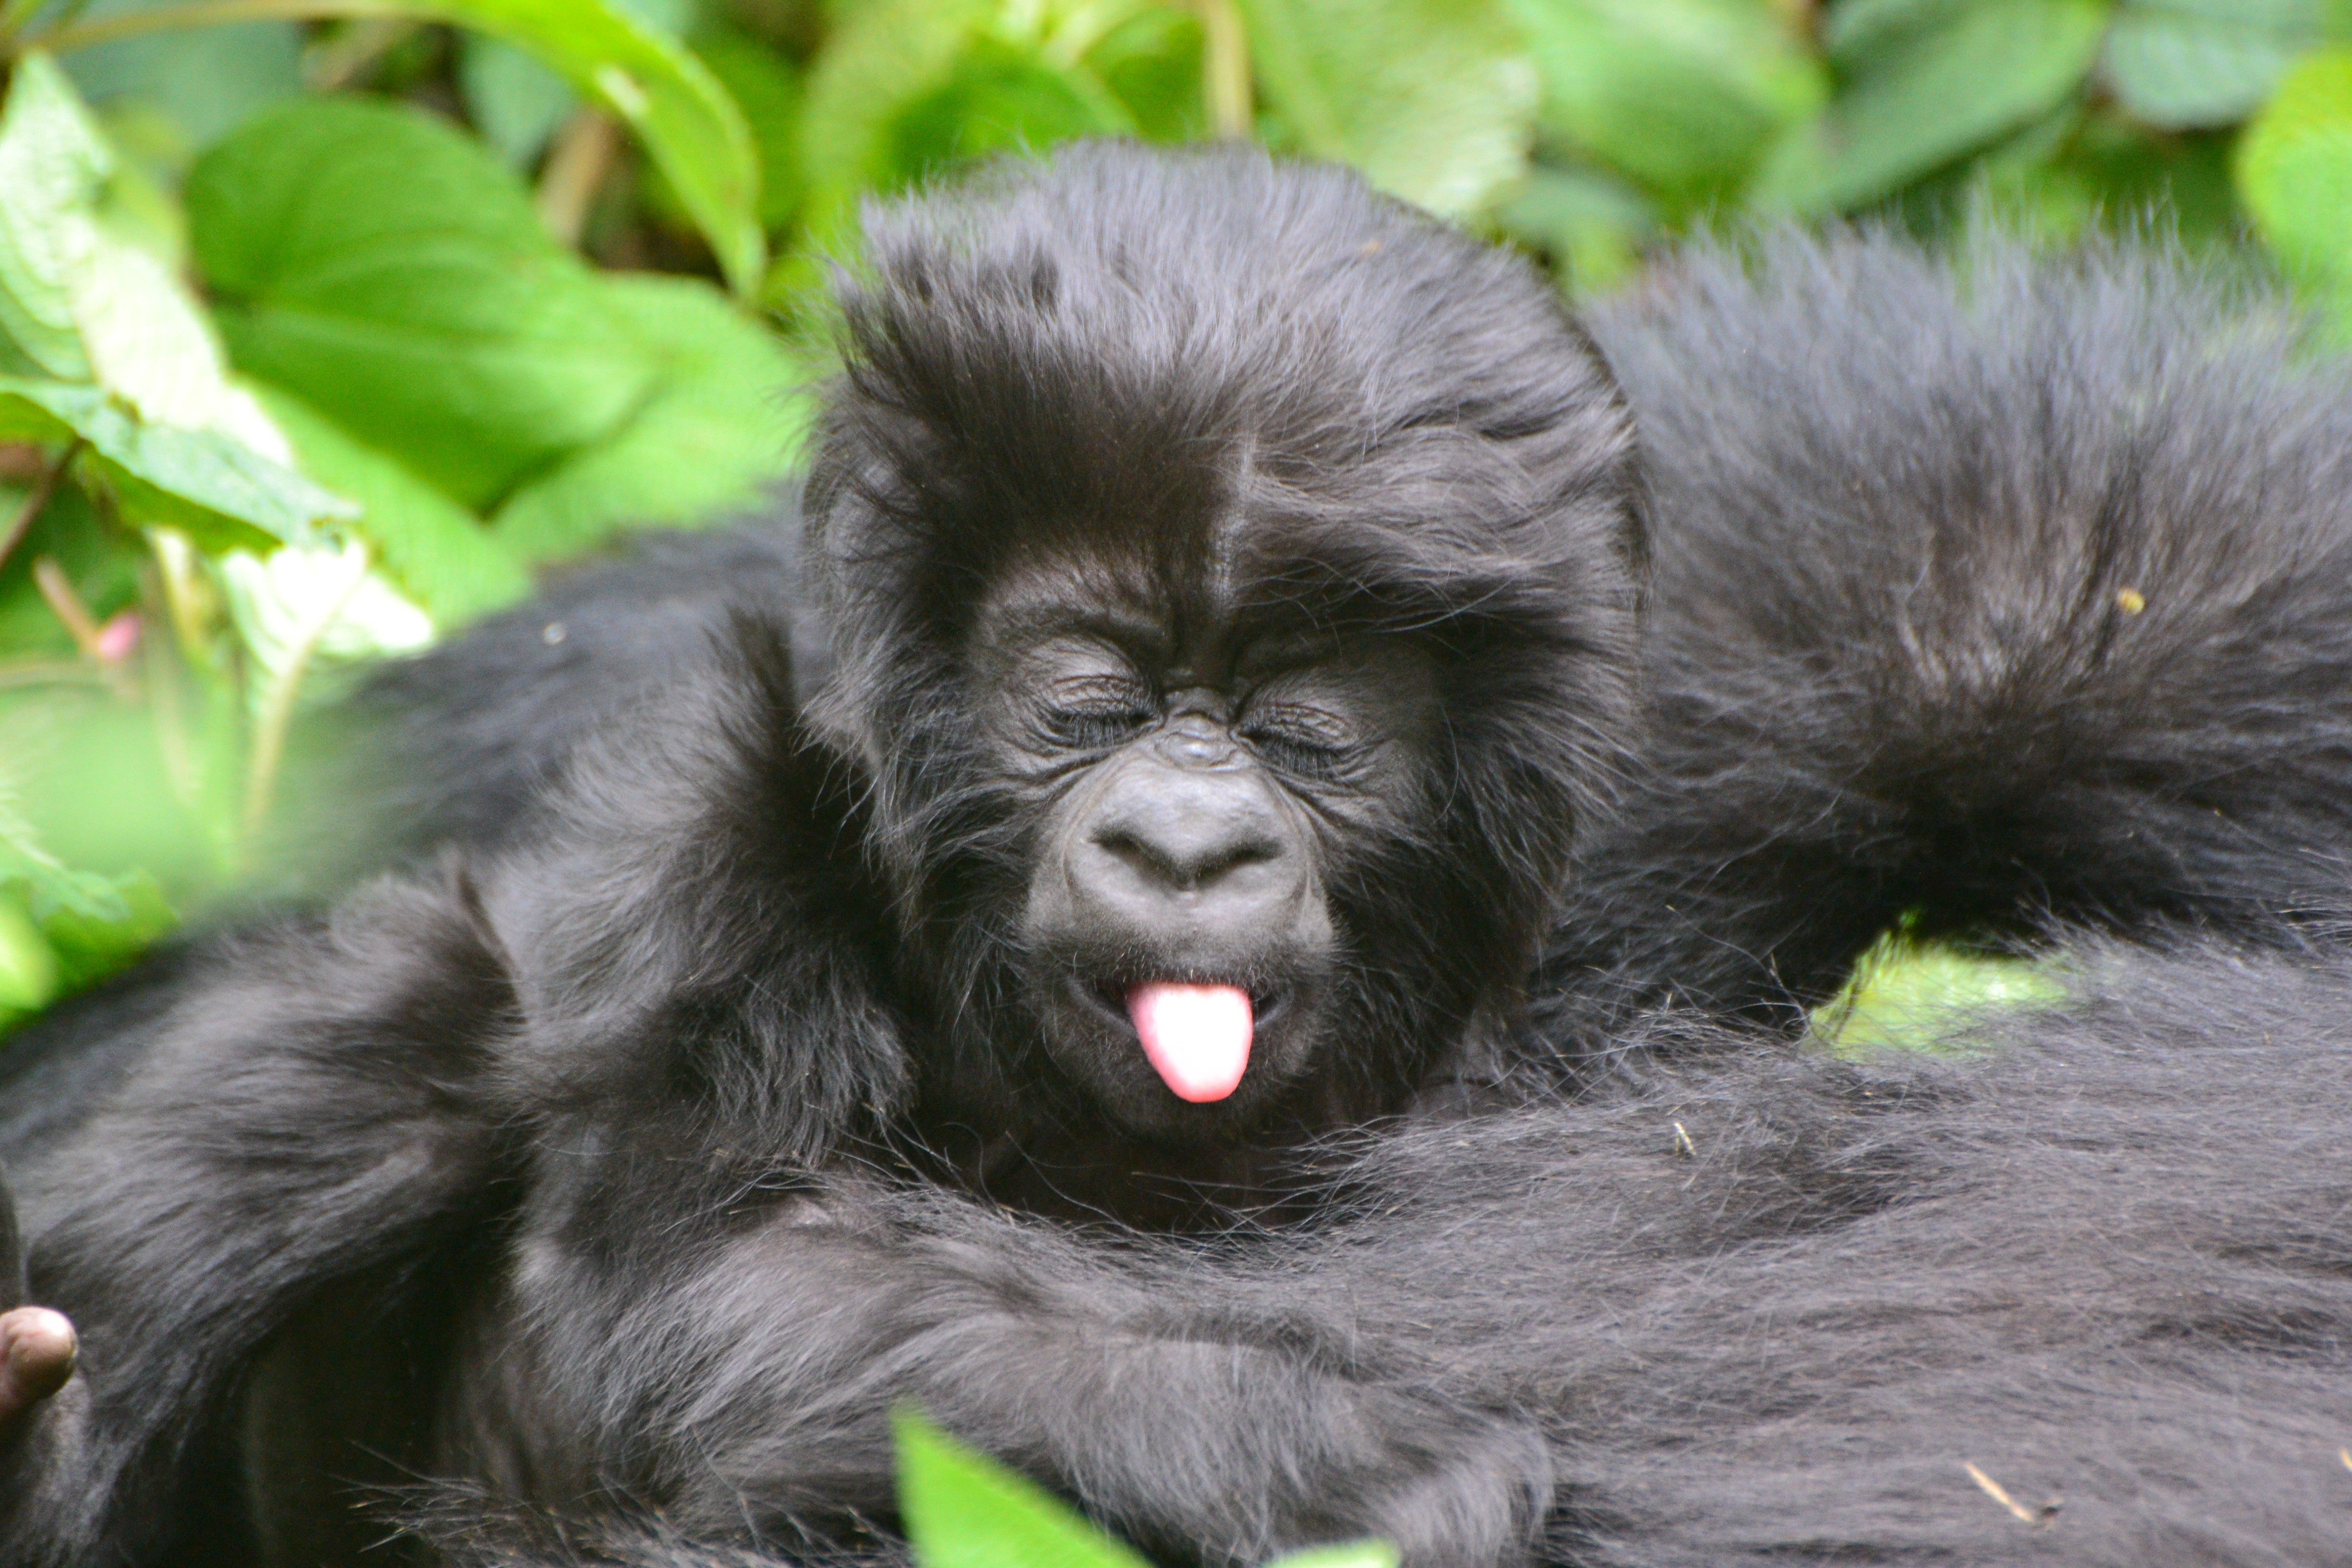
(325, 324)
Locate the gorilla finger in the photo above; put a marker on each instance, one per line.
(37, 1357)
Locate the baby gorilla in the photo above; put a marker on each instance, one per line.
(1231, 581)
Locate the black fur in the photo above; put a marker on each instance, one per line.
(607, 1172)
(2017, 591)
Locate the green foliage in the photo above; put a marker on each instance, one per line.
(321, 330)
(2294, 165)
(371, 260)
(1431, 99)
(963, 1509)
(1907, 992)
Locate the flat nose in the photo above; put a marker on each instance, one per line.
(1206, 837)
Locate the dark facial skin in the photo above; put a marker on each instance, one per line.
(1194, 778)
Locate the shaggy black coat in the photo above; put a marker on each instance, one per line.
(2018, 599)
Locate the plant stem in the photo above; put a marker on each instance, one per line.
(58, 590)
(576, 169)
(1226, 69)
(45, 489)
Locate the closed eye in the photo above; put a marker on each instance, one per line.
(1309, 742)
(1088, 714)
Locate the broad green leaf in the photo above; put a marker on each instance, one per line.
(214, 487)
(53, 163)
(1434, 99)
(1906, 994)
(99, 305)
(2294, 171)
(1928, 82)
(2183, 63)
(723, 422)
(684, 119)
(431, 548)
(881, 55)
(387, 270)
(1681, 94)
(963, 1509)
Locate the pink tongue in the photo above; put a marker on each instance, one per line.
(1198, 1036)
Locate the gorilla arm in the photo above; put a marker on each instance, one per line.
(740, 1381)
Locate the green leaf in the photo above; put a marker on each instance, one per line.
(1353, 1554)
(216, 487)
(300, 604)
(29, 967)
(1152, 63)
(1928, 82)
(1909, 994)
(64, 929)
(430, 547)
(2294, 171)
(963, 1509)
(1681, 94)
(53, 163)
(693, 131)
(2178, 64)
(722, 422)
(906, 88)
(89, 949)
(1434, 99)
(767, 89)
(48, 887)
(87, 299)
(998, 98)
(383, 268)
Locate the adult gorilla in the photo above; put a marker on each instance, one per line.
(622, 1169)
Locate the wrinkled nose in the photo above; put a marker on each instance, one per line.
(1193, 843)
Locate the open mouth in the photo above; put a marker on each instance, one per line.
(1195, 1034)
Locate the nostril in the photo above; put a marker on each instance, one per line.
(1187, 854)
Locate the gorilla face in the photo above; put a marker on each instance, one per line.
(1193, 776)
(1232, 615)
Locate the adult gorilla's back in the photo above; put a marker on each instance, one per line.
(1987, 596)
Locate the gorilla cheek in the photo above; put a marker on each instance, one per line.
(1176, 888)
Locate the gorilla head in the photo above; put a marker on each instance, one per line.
(1233, 579)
